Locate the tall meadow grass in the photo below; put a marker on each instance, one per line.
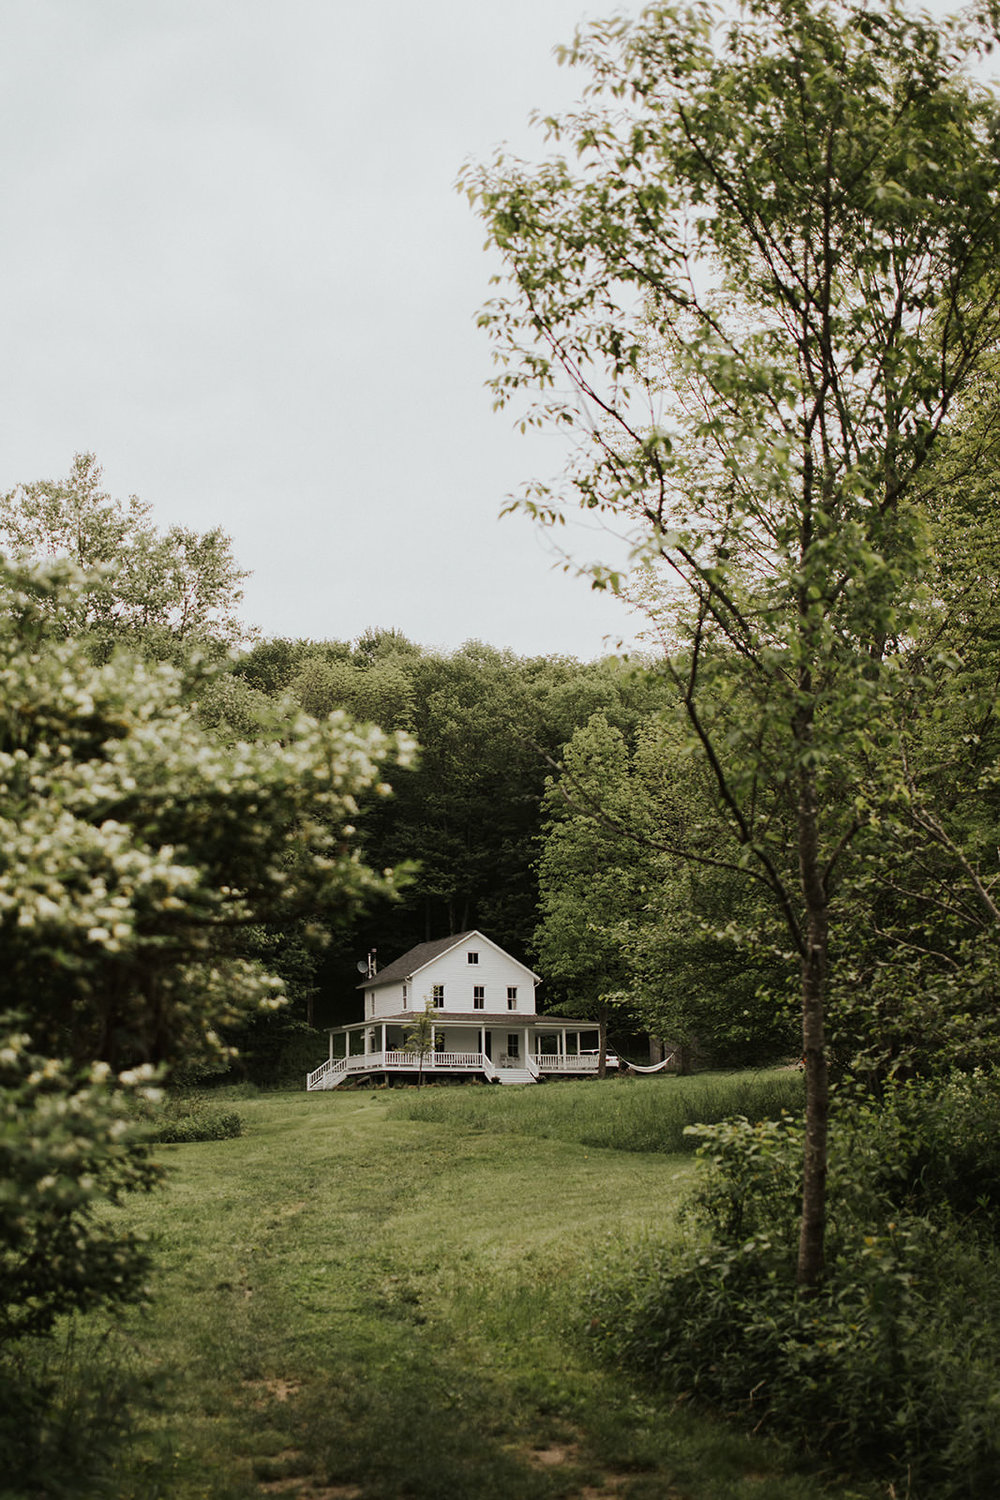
(621, 1113)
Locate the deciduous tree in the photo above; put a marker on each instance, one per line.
(135, 846)
(754, 285)
(591, 886)
(161, 592)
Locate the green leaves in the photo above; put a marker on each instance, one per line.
(165, 593)
(69, 1142)
(135, 846)
(779, 240)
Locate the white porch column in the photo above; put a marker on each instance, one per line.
(331, 1045)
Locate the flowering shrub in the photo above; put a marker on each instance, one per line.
(135, 846)
(69, 1142)
(133, 849)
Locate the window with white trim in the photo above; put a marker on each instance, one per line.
(478, 996)
(512, 997)
(437, 996)
(472, 957)
(405, 996)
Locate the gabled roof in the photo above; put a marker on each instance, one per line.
(425, 953)
(417, 958)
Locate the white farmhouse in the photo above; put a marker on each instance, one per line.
(482, 1020)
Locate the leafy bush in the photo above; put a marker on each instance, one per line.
(194, 1117)
(68, 1143)
(931, 1143)
(893, 1364)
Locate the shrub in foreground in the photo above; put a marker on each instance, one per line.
(893, 1365)
(69, 1145)
(194, 1117)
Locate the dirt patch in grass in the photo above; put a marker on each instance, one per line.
(307, 1490)
(555, 1454)
(298, 1482)
(273, 1390)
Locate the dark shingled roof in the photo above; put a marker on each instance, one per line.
(423, 953)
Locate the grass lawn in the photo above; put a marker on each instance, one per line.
(352, 1303)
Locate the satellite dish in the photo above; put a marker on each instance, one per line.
(362, 966)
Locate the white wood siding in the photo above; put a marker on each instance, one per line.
(495, 971)
(389, 1000)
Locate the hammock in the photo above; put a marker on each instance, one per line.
(652, 1067)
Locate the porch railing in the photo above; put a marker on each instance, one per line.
(396, 1059)
(332, 1072)
(561, 1063)
(328, 1074)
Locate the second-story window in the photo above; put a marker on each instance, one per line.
(438, 997)
(405, 996)
(512, 997)
(478, 996)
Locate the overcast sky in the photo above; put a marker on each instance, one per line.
(236, 268)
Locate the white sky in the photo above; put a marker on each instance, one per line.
(236, 268)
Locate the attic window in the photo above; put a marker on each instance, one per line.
(472, 957)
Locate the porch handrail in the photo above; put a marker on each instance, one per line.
(326, 1070)
(398, 1059)
(551, 1062)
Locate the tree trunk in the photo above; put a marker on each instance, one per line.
(811, 1259)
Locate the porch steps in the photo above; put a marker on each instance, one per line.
(514, 1075)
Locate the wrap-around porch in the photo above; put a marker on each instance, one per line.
(518, 1051)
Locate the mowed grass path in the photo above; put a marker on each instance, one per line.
(349, 1303)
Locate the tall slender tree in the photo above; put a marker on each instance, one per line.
(753, 286)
